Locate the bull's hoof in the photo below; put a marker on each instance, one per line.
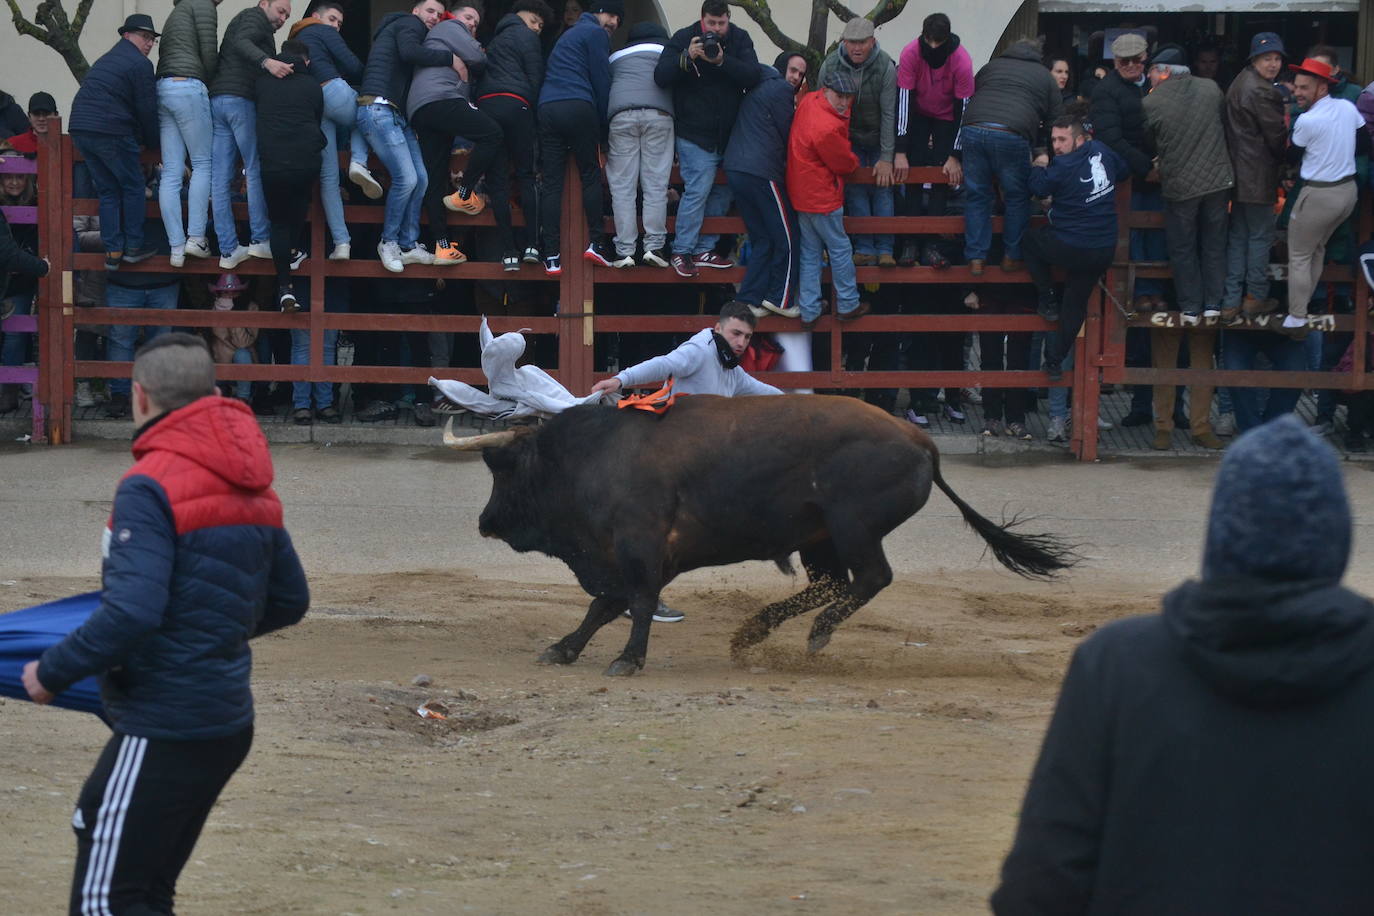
(622, 667)
(556, 655)
(817, 643)
(747, 636)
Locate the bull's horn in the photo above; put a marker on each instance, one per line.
(475, 443)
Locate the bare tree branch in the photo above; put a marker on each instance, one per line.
(815, 49)
(22, 25)
(839, 9)
(886, 11)
(761, 13)
(51, 26)
(83, 9)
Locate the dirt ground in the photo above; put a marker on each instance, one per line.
(882, 776)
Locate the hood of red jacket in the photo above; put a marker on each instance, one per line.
(219, 434)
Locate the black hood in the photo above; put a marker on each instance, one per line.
(1024, 49)
(1262, 642)
(387, 20)
(509, 21)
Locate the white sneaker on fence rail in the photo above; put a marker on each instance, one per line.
(197, 247)
(178, 256)
(261, 250)
(390, 253)
(417, 255)
(342, 252)
(234, 258)
(359, 175)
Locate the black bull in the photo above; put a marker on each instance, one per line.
(629, 500)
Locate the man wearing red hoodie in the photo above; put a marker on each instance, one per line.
(197, 563)
(818, 158)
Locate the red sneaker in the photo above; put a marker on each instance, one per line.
(711, 259)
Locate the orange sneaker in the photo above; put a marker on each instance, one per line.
(448, 253)
(472, 206)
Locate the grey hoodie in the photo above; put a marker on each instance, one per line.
(695, 368)
(632, 79)
(433, 84)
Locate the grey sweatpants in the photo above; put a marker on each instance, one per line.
(640, 157)
(1315, 216)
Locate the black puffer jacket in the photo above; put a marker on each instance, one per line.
(16, 259)
(1214, 759)
(1119, 121)
(118, 97)
(398, 47)
(247, 43)
(289, 112)
(13, 121)
(1016, 91)
(706, 97)
(515, 61)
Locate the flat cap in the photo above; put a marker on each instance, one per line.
(857, 29)
(1129, 45)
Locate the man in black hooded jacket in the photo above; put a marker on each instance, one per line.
(1216, 758)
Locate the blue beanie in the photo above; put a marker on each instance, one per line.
(1279, 509)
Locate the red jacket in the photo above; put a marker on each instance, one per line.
(818, 156)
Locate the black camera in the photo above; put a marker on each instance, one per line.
(710, 43)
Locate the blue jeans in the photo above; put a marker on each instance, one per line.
(15, 350)
(1239, 350)
(701, 198)
(397, 147)
(869, 200)
(995, 154)
(1248, 243)
(113, 164)
(183, 113)
(1059, 397)
(340, 114)
(825, 230)
(243, 356)
(1148, 244)
(120, 347)
(300, 356)
(236, 135)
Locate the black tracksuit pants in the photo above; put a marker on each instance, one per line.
(1044, 250)
(516, 119)
(139, 816)
(569, 126)
(288, 205)
(772, 226)
(436, 124)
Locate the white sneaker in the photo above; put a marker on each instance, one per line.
(84, 396)
(260, 250)
(793, 311)
(359, 175)
(341, 252)
(197, 247)
(178, 256)
(625, 261)
(390, 253)
(1104, 424)
(297, 258)
(234, 258)
(1058, 431)
(1225, 424)
(759, 311)
(417, 255)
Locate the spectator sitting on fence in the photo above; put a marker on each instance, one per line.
(1184, 115)
(1257, 139)
(289, 115)
(1014, 95)
(248, 48)
(755, 167)
(1215, 758)
(20, 268)
(114, 112)
(572, 118)
(186, 65)
(334, 66)
(934, 82)
(439, 107)
(639, 155)
(818, 157)
(509, 89)
(42, 107)
(397, 49)
(872, 127)
(709, 65)
(1325, 141)
(234, 345)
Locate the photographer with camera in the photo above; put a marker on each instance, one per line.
(708, 65)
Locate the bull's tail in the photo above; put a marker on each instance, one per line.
(1034, 556)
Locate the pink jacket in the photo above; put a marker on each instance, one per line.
(935, 90)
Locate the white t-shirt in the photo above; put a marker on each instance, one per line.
(1327, 132)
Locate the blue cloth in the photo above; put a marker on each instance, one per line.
(27, 634)
(1083, 185)
(1240, 350)
(990, 155)
(396, 146)
(124, 337)
(398, 47)
(580, 67)
(772, 226)
(183, 108)
(330, 56)
(118, 97)
(340, 118)
(701, 197)
(758, 141)
(825, 231)
(1279, 509)
(869, 200)
(113, 164)
(236, 135)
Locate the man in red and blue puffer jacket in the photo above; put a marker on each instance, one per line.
(196, 564)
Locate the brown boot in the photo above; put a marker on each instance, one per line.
(1011, 264)
(1254, 307)
(1164, 440)
(1208, 440)
(864, 260)
(975, 267)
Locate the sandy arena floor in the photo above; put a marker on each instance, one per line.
(883, 776)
